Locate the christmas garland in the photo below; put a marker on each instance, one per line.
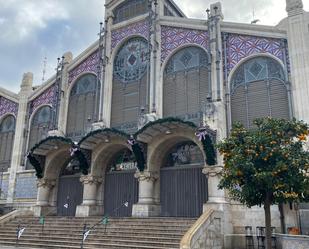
(34, 162)
(209, 150)
(83, 163)
(164, 120)
(107, 130)
(62, 139)
(36, 165)
(138, 153)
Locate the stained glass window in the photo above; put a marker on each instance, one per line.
(257, 69)
(8, 124)
(84, 85)
(132, 60)
(187, 59)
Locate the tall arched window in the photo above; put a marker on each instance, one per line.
(129, 83)
(81, 106)
(258, 89)
(130, 9)
(185, 84)
(7, 132)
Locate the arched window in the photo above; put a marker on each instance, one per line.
(258, 90)
(130, 9)
(185, 84)
(81, 106)
(7, 132)
(40, 125)
(129, 83)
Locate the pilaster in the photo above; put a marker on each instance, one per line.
(17, 151)
(298, 36)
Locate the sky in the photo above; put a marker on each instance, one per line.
(31, 30)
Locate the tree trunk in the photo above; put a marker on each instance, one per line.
(268, 221)
(282, 218)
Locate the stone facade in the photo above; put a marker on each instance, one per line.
(228, 45)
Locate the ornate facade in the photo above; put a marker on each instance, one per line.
(136, 98)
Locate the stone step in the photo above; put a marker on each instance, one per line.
(67, 232)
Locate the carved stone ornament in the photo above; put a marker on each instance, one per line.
(147, 176)
(145, 119)
(292, 5)
(46, 183)
(91, 179)
(212, 170)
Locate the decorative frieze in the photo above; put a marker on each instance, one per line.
(212, 170)
(46, 98)
(7, 106)
(240, 46)
(138, 28)
(89, 65)
(172, 38)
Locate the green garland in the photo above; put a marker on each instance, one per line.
(62, 139)
(83, 163)
(105, 130)
(139, 156)
(36, 165)
(162, 121)
(209, 150)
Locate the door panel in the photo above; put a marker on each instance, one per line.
(120, 187)
(70, 191)
(183, 191)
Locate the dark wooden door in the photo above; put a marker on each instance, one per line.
(183, 191)
(120, 187)
(70, 195)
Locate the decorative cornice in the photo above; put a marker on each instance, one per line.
(147, 176)
(88, 179)
(46, 183)
(212, 170)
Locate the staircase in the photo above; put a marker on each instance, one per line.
(126, 233)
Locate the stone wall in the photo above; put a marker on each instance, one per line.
(293, 242)
(26, 187)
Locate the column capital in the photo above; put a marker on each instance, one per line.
(46, 183)
(147, 176)
(212, 170)
(88, 179)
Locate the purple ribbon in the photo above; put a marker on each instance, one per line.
(201, 135)
(73, 150)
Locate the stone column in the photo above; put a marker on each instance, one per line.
(43, 206)
(17, 151)
(89, 206)
(146, 206)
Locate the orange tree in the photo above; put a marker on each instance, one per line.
(266, 165)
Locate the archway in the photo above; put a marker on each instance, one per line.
(114, 165)
(183, 189)
(70, 189)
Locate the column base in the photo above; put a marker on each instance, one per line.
(39, 211)
(146, 210)
(87, 210)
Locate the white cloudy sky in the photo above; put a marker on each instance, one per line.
(33, 29)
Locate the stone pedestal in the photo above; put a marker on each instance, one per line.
(89, 206)
(146, 206)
